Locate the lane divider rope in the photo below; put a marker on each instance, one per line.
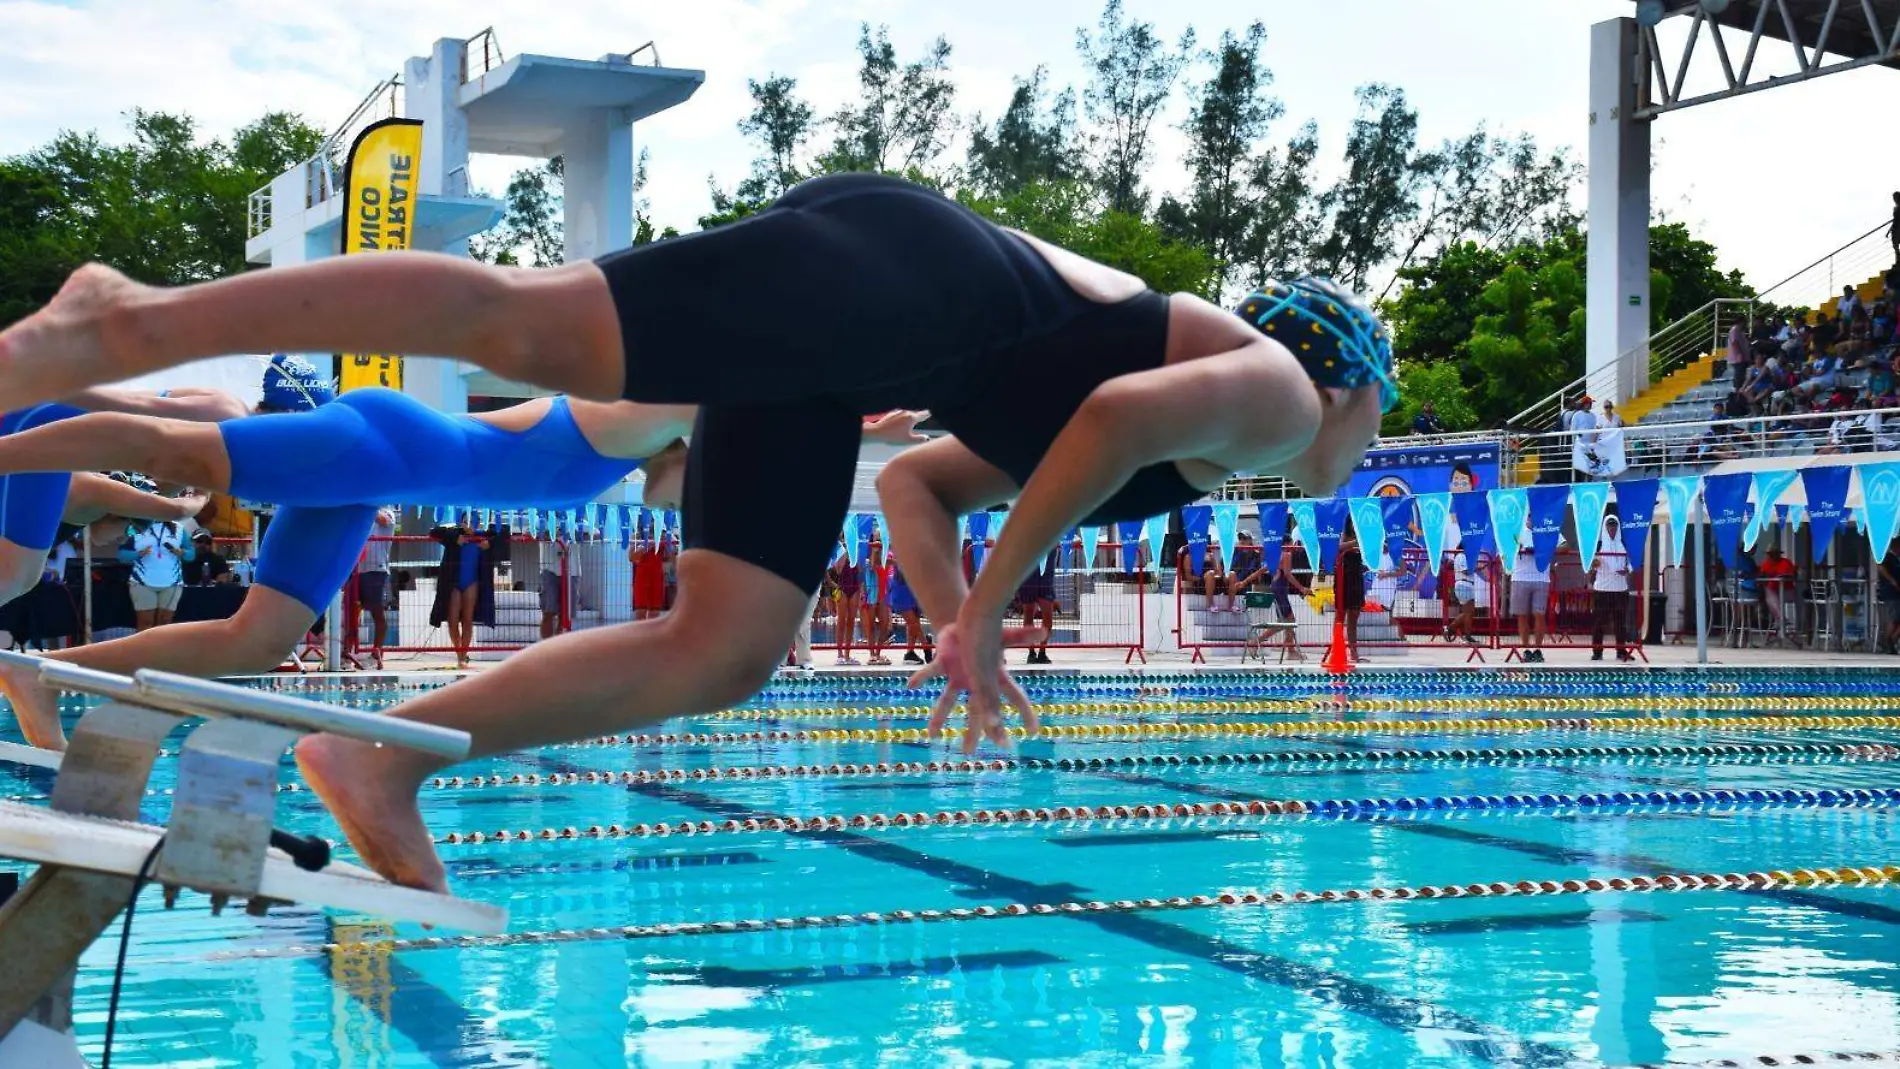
(1778, 879)
(1324, 808)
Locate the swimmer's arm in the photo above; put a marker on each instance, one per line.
(192, 403)
(93, 497)
(896, 428)
(923, 492)
(1147, 418)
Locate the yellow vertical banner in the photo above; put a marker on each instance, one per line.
(379, 200)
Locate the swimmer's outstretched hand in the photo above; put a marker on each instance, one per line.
(970, 660)
(896, 428)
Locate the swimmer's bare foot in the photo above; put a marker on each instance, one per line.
(35, 706)
(63, 348)
(371, 791)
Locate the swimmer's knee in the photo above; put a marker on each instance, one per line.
(730, 667)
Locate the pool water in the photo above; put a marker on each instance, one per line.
(591, 973)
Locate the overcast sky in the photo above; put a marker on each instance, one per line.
(1774, 179)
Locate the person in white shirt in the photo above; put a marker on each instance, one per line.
(372, 580)
(1610, 592)
(1530, 602)
(157, 552)
(1582, 423)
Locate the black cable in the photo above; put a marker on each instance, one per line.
(125, 940)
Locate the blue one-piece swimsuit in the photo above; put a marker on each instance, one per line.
(328, 471)
(32, 503)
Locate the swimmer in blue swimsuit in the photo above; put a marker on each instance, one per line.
(328, 469)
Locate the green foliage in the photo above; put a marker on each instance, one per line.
(902, 118)
(1034, 141)
(1380, 190)
(531, 233)
(1688, 264)
(164, 207)
(1132, 75)
(1438, 384)
(781, 123)
(1064, 213)
(1529, 339)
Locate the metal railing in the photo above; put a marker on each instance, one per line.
(650, 46)
(258, 213)
(323, 172)
(481, 54)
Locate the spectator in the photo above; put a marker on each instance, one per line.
(1612, 456)
(875, 581)
(556, 596)
(1849, 304)
(1208, 580)
(1283, 584)
(206, 566)
(1738, 355)
(1530, 602)
(1427, 421)
(1718, 443)
(850, 585)
(1827, 331)
(648, 557)
(372, 580)
(1889, 568)
(1777, 587)
(1893, 229)
(1582, 424)
(465, 586)
(1037, 596)
(1349, 587)
(904, 604)
(1610, 591)
(1248, 570)
(1880, 325)
(157, 551)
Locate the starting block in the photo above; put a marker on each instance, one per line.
(92, 853)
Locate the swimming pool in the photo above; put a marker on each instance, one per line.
(805, 881)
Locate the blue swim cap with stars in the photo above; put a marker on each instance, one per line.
(1333, 335)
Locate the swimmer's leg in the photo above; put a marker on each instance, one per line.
(266, 627)
(705, 655)
(554, 327)
(169, 450)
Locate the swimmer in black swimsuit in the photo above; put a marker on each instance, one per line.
(1065, 382)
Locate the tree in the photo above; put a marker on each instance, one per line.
(164, 207)
(1065, 214)
(903, 118)
(1380, 190)
(781, 123)
(1529, 341)
(1684, 275)
(1032, 141)
(1133, 75)
(1231, 116)
(1438, 384)
(1287, 220)
(530, 233)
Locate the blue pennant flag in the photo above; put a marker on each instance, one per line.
(1272, 531)
(1769, 486)
(611, 527)
(1194, 522)
(1636, 509)
(979, 533)
(1156, 530)
(1397, 512)
(1434, 515)
(1680, 490)
(1368, 522)
(1091, 541)
(1330, 517)
(1726, 499)
(1826, 488)
(1510, 518)
(534, 523)
(1129, 531)
(1227, 526)
(1587, 502)
(1305, 515)
(1476, 536)
(1880, 489)
(1547, 507)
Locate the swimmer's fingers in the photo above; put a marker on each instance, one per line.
(926, 674)
(940, 712)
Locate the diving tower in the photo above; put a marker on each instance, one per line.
(472, 99)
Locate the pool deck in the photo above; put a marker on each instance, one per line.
(1415, 656)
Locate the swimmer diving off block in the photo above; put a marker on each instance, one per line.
(1067, 385)
(326, 469)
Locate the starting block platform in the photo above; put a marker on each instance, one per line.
(93, 855)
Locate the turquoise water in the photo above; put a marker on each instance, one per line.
(1571, 979)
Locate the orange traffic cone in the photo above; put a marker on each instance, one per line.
(1338, 657)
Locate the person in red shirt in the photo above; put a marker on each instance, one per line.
(648, 557)
(1777, 584)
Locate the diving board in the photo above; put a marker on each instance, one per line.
(91, 851)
